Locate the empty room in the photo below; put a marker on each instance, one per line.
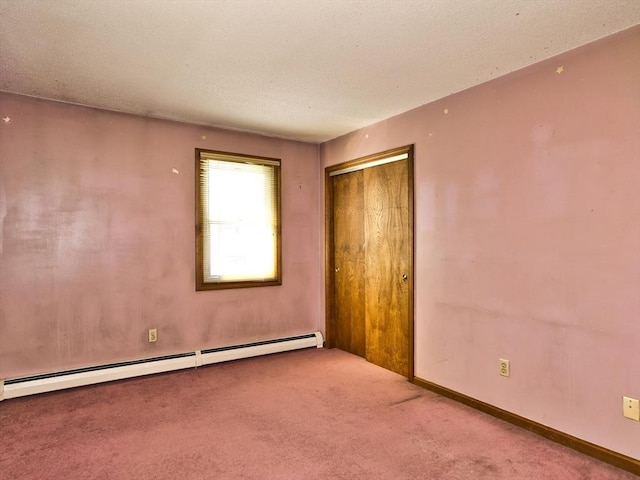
(305, 239)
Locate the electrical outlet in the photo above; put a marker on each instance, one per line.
(631, 408)
(153, 335)
(503, 367)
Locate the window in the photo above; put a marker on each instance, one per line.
(237, 221)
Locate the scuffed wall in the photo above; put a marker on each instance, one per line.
(527, 221)
(97, 240)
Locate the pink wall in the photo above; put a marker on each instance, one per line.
(97, 240)
(528, 238)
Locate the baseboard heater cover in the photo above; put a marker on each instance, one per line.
(50, 382)
(236, 352)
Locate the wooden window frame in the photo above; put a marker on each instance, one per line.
(201, 283)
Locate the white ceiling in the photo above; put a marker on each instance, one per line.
(309, 70)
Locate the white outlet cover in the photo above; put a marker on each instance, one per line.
(631, 408)
(504, 367)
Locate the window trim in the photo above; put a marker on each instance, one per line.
(201, 284)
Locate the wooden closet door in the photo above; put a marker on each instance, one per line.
(349, 261)
(369, 225)
(387, 265)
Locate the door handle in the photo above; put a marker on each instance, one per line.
(404, 277)
(337, 269)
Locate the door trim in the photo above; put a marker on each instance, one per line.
(347, 167)
(369, 164)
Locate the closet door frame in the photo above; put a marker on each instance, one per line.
(347, 167)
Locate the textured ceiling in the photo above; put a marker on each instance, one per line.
(302, 69)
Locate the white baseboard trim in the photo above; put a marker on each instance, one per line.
(50, 382)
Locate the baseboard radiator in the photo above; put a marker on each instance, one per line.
(49, 382)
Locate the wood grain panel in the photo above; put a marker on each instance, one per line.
(369, 240)
(349, 266)
(387, 265)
